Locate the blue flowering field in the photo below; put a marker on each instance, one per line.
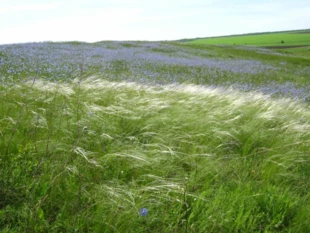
(153, 137)
(243, 68)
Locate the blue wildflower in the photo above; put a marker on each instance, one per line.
(143, 212)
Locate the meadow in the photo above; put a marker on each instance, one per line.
(287, 41)
(153, 137)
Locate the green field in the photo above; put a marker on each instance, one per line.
(281, 39)
(153, 137)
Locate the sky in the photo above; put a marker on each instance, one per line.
(97, 20)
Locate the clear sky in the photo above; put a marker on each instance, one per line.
(96, 20)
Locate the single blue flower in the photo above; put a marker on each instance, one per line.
(143, 212)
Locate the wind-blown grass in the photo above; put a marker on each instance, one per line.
(88, 155)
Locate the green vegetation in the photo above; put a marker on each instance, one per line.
(86, 156)
(300, 51)
(282, 40)
(276, 39)
(91, 134)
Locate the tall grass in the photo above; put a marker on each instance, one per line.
(88, 155)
